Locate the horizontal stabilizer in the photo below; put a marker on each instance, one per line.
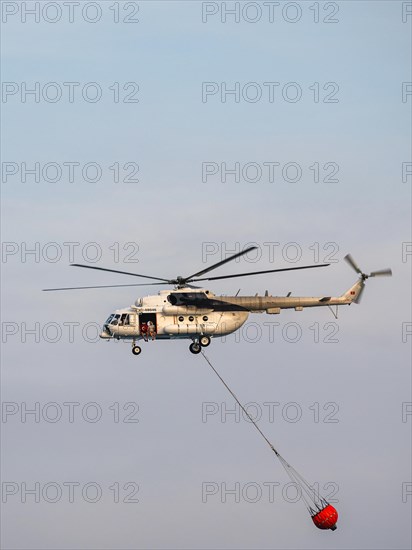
(325, 299)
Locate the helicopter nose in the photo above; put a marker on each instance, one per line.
(105, 334)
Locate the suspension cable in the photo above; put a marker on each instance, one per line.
(240, 405)
(292, 473)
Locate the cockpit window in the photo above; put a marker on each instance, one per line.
(120, 319)
(124, 319)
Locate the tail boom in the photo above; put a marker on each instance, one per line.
(274, 304)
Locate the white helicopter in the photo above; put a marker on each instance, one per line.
(197, 314)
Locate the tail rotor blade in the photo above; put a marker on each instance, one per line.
(381, 273)
(352, 263)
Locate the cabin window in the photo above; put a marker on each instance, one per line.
(205, 318)
(181, 318)
(191, 318)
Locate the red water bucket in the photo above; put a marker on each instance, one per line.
(326, 518)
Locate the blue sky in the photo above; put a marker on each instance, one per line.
(170, 214)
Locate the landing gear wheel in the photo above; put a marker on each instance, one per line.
(204, 341)
(195, 348)
(136, 350)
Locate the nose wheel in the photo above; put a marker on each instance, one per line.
(136, 350)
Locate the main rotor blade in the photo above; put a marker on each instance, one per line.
(214, 266)
(381, 273)
(260, 272)
(121, 272)
(102, 286)
(352, 263)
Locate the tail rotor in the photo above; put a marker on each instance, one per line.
(363, 276)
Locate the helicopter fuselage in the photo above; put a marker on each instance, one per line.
(190, 314)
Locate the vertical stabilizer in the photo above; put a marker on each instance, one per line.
(354, 292)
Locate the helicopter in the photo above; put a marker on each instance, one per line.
(197, 314)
